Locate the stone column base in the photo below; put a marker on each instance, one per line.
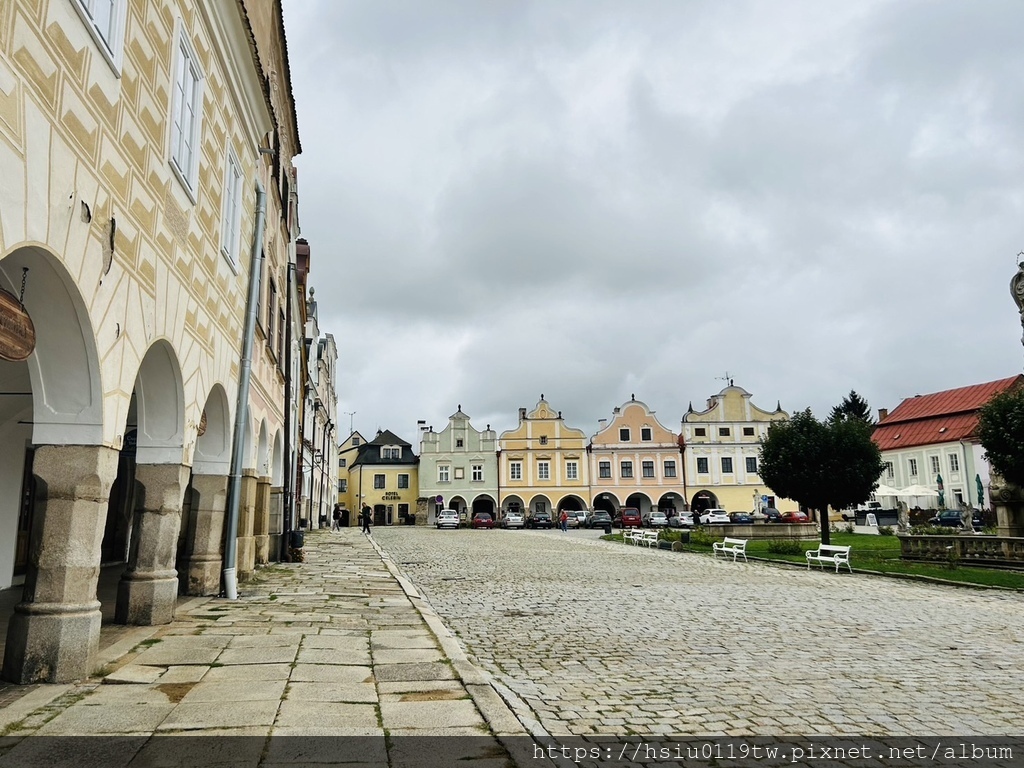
(51, 644)
(147, 599)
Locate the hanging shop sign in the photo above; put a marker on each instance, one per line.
(17, 334)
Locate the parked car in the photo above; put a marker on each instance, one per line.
(539, 520)
(628, 517)
(482, 520)
(849, 515)
(572, 519)
(950, 518)
(741, 518)
(793, 517)
(513, 520)
(447, 518)
(681, 520)
(655, 520)
(771, 515)
(598, 519)
(712, 516)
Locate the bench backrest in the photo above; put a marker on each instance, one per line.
(734, 542)
(833, 549)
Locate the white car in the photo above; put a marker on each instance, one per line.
(656, 520)
(513, 520)
(711, 516)
(447, 518)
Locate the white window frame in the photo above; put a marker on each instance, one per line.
(543, 470)
(890, 470)
(231, 213)
(477, 473)
(184, 91)
(444, 473)
(515, 470)
(111, 42)
(936, 465)
(912, 467)
(647, 468)
(572, 470)
(626, 469)
(954, 463)
(670, 467)
(604, 470)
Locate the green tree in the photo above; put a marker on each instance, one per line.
(1001, 431)
(853, 407)
(819, 464)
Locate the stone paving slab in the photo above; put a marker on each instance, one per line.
(309, 649)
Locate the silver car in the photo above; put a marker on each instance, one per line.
(513, 520)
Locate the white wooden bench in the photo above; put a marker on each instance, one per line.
(730, 546)
(829, 553)
(630, 535)
(649, 538)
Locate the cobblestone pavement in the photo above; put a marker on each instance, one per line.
(604, 638)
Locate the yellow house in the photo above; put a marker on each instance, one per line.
(384, 477)
(722, 447)
(542, 464)
(636, 462)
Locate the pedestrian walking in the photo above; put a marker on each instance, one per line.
(336, 525)
(366, 520)
(563, 520)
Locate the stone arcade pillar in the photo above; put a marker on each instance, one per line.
(205, 542)
(1008, 501)
(261, 521)
(54, 632)
(149, 588)
(246, 564)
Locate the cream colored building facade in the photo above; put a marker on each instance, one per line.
(146, 165)
(722, 446)
(635, 461)
(543, 464)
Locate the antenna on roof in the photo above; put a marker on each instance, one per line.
(727, 377)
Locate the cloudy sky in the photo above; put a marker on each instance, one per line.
(592, 199)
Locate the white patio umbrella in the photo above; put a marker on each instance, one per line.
(917, 490)
(886, 490)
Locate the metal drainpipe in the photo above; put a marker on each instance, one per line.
(241, 407)
(289, 480)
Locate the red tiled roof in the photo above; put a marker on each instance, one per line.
(938, 418)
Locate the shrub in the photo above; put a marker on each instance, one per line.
(702, 538)
(785, 547)
(849, 528)
(931, 530)
(886, 530)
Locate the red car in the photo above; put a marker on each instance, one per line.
(793, 517)
(483, 520)
(629, 517)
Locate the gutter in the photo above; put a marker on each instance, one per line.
(230, 576)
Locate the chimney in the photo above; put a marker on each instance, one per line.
(882, 413)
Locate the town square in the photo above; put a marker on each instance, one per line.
(513, 383)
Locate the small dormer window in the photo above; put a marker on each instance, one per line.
(390, 452)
